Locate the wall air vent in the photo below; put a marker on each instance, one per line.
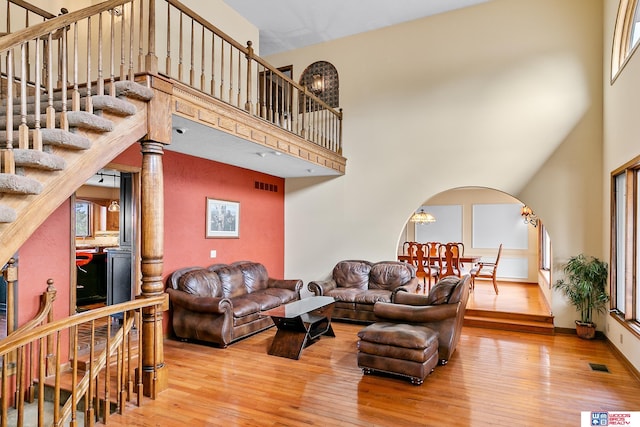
(266, 187)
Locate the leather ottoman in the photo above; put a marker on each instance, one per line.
(400, 349)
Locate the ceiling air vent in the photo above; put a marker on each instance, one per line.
(266, 187)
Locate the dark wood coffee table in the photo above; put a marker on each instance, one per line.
(300, 324)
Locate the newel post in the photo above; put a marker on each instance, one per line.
(151, 60)
(154, 372)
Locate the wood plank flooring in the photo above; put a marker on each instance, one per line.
(496, 378)
(519, 307)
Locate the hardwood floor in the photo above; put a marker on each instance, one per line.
(497, 378)
(514, 297)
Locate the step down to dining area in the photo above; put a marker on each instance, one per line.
(520, 307)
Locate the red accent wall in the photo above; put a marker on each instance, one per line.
(46, 255)
(188, 181)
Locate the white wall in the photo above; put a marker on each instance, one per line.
(621, 145)
(505, 95)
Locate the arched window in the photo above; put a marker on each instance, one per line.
(625, 35)
(321, 78)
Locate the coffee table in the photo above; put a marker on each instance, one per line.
(300, 323)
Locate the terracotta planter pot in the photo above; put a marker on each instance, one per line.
(585, 331)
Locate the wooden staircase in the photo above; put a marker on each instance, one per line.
(45, 177)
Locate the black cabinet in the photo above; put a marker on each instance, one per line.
(118, 276)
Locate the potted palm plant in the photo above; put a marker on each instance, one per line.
(585, 285)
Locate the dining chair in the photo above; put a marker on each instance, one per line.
(417, 257)
(433, 253)
(449, 257)
(487, 270)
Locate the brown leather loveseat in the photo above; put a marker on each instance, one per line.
(356, 285)
(222, 303)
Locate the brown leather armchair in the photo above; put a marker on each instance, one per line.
(441, 311)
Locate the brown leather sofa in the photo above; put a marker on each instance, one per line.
(222, 303)
(357, 285)
(441, 311)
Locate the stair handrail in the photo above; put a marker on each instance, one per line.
(57, 23)
(29, 347)
(32, 8)
(11, 342)
(44, 312)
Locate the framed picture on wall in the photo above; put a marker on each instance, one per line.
(223, 219)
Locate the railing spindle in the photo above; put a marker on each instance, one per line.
(140, 341)
(107, 375)
(56, 387)
(100, 56)
(180, 49)
(75, 95)
(112, 57)
(131, 42)
(168, 59)
(191, 58)
(202, 61)
(41, 377)
(91, 393)
(23, 132)
(213, 64)
(122, 17)
(88, 106)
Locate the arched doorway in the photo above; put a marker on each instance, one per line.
(482, 219)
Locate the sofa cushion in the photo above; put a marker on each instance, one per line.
(399, 335)
(201, 282)
(245, 305)
(255, 275)
(390, 275)
(232, 281)
(285, 295)
(441, 292)
(265, 300)
(352, 274)
(359, 296)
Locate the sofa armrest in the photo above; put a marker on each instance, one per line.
(410, 287)
(415, 313)
(199, 304)
(321, 287)
(409, 298)
(293, 284)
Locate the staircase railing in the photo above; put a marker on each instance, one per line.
(86, 51)
(111, 379)
(20, 14)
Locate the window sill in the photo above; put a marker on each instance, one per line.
(631, 325)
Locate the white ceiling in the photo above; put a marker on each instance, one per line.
(292, 24)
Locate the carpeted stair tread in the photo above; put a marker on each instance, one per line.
(118, 106)
(55, 137)
(133, 90)
(84, 120)
(113, 105)
(76, 119)
(7, 214)
(18, 184)
(124, 88)
(38, 160)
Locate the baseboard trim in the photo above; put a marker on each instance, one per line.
(624, 360)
